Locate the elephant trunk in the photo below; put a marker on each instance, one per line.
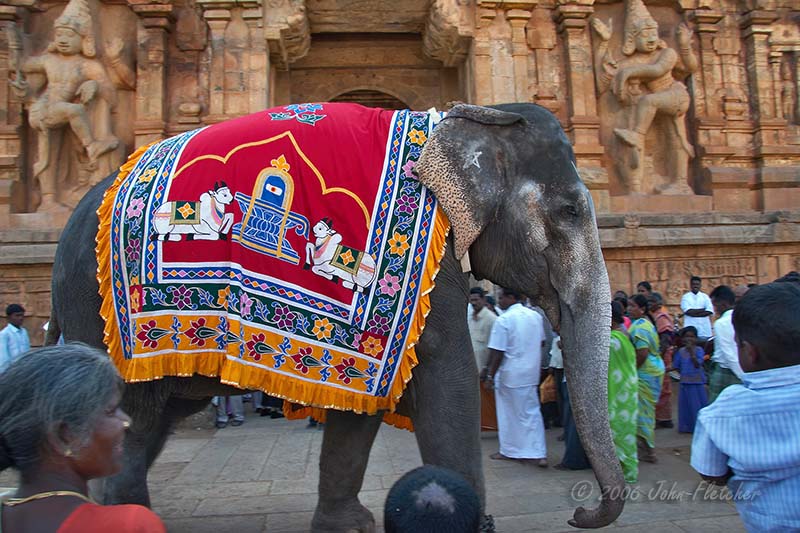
(585, 333)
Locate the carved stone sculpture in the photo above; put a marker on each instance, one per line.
(645, 87)
(68, 90)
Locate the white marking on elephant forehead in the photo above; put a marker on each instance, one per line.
(533, 191)
(472, 159)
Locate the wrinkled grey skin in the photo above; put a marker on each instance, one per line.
(533, 229)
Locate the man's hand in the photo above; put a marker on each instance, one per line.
(684, 35)
(603, 30)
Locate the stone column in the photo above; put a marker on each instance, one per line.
(541, 36)
(481, 57)
(583, 122)
(259, 65)
(10, 121)
(217, 15)
(155, 24)
(518, 19)
(728, 185)
(755, 26)
(776, 185)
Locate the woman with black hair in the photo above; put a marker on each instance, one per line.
(651, 373)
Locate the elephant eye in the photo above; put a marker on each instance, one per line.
(569, 210)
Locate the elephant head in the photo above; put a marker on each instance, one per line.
(506, 177)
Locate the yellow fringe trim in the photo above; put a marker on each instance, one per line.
(234, 372)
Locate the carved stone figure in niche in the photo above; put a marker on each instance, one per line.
(646, 89)
(68, 90)
(788, 90)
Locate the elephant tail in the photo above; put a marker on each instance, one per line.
(53, 330)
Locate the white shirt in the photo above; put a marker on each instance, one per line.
(700, 300)
(518, 333)
(556, 357)
(725, 351)
(14, 341)
(480, 327)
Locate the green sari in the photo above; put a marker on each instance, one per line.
(623, 382)
(643, 335)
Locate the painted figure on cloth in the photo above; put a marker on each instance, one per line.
(267, 216)
(69, 86)
(645, 87)
(329, 258)
(205, 219)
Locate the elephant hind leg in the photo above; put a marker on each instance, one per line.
(343, 460)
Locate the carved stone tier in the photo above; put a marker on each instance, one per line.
(448, 32)
(287, 31)
(661, 203)
(40, 221)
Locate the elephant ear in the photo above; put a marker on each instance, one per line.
(451, 168)
(484, 115)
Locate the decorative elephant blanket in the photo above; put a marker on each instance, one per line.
(290, 251)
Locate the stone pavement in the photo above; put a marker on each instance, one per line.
(262, 476)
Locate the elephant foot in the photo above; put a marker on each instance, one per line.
(351, 517)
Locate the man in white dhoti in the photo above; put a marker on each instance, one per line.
(514, 367)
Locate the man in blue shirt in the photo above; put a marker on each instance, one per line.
(14, 340)
(749, 437)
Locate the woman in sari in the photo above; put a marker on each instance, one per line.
(623, 383)
(61, 425)
(666, 337)
(651, 372)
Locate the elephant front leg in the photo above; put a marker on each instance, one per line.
(447, 423)
(345, 450)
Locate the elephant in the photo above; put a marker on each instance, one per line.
(506, 177)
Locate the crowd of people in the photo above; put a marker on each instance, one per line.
(61, 421)
(736, 376)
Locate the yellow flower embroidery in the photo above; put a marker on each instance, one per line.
(136, 305)
(186, 210)
(322, 329)
(347, 258)
(147, 175)
(280, 164)
(222, 296)
(372, 346)
(398, 244)
(417, 137)
(135, 279)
